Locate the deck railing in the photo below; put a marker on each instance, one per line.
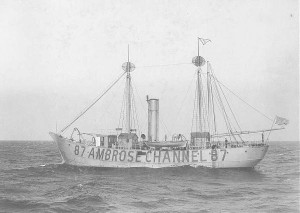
(222, 144)
(205, 145)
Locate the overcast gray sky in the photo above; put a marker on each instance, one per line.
(57, 56)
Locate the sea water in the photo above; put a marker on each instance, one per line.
(33, 179)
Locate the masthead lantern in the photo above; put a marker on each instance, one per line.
(198, 61)
(128, 66)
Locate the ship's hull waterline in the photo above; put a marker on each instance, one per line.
(79, 154)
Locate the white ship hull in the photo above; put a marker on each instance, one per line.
(79, 154)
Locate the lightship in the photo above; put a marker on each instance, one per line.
(205, 147)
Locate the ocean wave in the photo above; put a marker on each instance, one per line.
(14, 190)
(85, 198)
(9, 204)
(144, 205)
(216, 184)
(35, 181)
(189, 190)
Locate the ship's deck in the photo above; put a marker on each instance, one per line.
(140, 145)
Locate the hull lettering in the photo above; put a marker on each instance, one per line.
(137, 157)
(76, 151)
(214, 155)
(223, 150)
(156, 156)
(100, 155)
(185, 156)
(130, 156)
(122, 155)
(176, 154)
(114, 155)
(91, 153)
(107, 154)
(166, 156)
(194, 156)
(201, 159)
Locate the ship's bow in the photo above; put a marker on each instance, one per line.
(61, 143)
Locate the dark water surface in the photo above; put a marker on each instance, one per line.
(34, 180)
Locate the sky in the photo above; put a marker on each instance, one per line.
(56, 57)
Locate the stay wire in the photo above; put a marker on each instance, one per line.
(140, 99)
(122, 110)
(94, 102)
(229, 129)
(229, 106)
(163, 65)
(134, 110)
(195, 119)
(244, 101)
(186, 94)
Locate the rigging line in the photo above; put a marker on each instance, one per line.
(212, 96)
(140, 99)
(132, 121)
(245, 101)
(203, 104)
(165, 126)
(271, 129)
(163, 65)
(194, 119)
(133, 87)
(146, 112)
(132, 108)
(199, 98)
(218, 86)
(208, 100)
(125, 118)
(213, 107)
(82, 113)
(221, 111)
(186, 94)
(213, 114)
(205, 109)
(230, 108)
(107, 109)
(229, 129)
(221, 108)
(122, 110)
(124, 113)
(134, 111)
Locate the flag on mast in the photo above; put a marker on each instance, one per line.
(204, 41)
(281, 121)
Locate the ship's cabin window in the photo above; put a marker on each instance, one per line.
(112, 139)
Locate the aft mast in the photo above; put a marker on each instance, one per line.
(199, 92)
(199, 61)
